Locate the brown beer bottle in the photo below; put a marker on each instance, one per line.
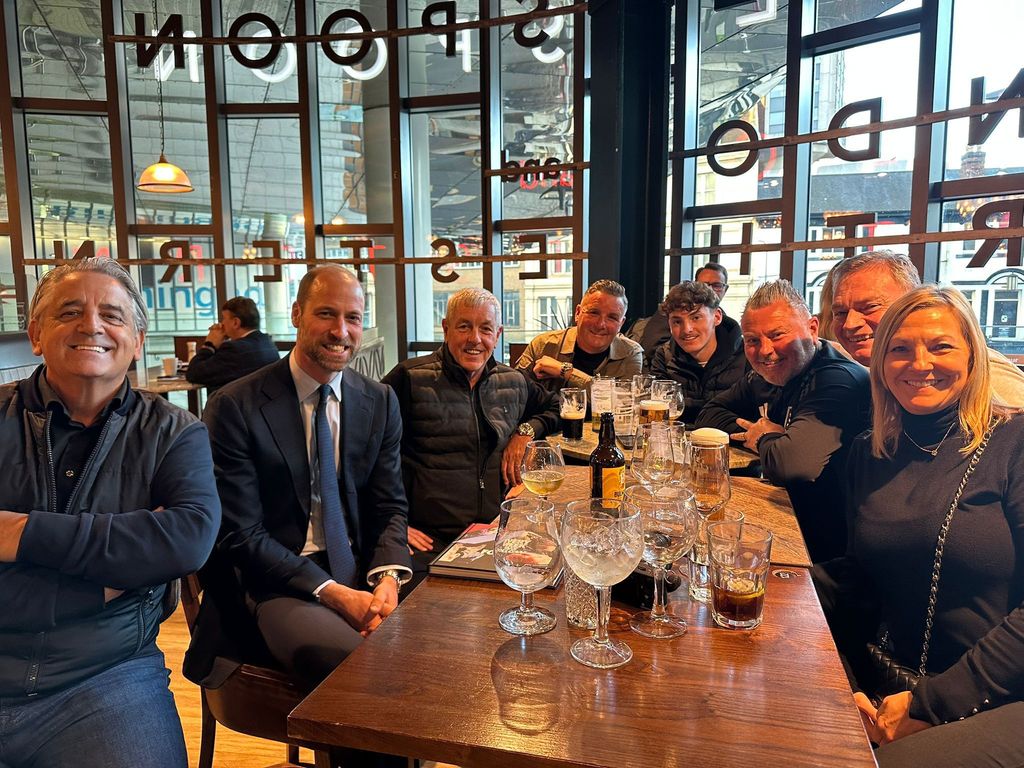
(607, 464)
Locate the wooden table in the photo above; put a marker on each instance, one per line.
(760, 503)
(163, 387)
(440, 680)
(739, 457)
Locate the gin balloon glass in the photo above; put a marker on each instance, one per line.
(602, 542)
(527, 558)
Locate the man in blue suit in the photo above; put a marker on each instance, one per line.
(317, 558)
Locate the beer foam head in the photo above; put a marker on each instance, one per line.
(709, 435)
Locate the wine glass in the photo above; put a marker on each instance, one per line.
(573, 410)
(543, 468)
(527, 558)
(680, 438)
(669, 520)
(652, 462)
(602, 542)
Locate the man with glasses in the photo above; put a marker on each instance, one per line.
(715, 276)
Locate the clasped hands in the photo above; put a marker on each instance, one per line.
(364, 611)
(891, 720)
(754, 431)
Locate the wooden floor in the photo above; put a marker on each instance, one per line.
(233, 749)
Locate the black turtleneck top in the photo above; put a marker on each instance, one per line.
(976, 657)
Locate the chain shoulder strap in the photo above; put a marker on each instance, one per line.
(940, 546)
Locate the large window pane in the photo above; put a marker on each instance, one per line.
(764, 265)
(61, 48)
(742, 77)
(431, 72)
(537, 116)
(1001, 151)
(9, 314)
(355, 128)
(277, 81)
(266, 186)
(184, 122)
(72, 195)
(994, 287)
(531, 306)
(838, 13)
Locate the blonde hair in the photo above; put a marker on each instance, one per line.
(976, 407)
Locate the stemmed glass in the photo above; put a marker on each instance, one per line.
(670, 526)
(680, 453)
(527, 558)
(543, 468)
(602, 542)
(652, 458)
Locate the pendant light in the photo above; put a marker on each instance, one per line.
(162, 177)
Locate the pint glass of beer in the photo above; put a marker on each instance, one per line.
(652, 411)
(573, 411)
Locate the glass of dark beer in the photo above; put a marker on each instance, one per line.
(573, 411)
(739, 554)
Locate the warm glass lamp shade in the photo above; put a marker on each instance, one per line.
(165, 178)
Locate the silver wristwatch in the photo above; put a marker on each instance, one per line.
(394, 574)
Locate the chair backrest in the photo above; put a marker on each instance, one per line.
(190, 592)
(181, 346)
(515, 351)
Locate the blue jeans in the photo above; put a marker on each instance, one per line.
(123, 717)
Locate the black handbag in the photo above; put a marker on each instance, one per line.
(891, 676)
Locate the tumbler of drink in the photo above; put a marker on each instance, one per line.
(641, 384)
(573, 411)
(739, 555)
(652, 411)
(601, 399)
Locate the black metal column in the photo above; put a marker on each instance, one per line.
(629, 64)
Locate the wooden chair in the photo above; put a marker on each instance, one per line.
(515, 351)
(255, 700)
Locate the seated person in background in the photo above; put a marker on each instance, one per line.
(233, 348)
(467, 421)
(863, 288)
(570, 358)
(919, 509)
(108, 495)
(715, 277)
(816, 403)
(705, 353)
(309, 472)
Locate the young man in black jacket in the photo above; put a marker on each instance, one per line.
(705, 353)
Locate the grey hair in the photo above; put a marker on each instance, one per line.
(611, 288)
(100, 265)
(473, 297)
(775, 291)
(899, 266)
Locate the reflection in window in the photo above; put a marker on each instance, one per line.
(72, 195)
(277, 80)
(764, 265)
(431, 72)
(552, 313)
(184, 121)
(838, 13)
(540, 304)
(61, 49)
(355, 129)
(1000, 152)
(537, 116)
(9, 315)
(266, 190)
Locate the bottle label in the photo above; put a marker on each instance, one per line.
(613, 481)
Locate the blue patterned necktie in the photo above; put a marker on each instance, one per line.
(339, 550)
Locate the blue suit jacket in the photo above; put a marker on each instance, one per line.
(263, 478)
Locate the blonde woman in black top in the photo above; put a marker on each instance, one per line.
(942, 582)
